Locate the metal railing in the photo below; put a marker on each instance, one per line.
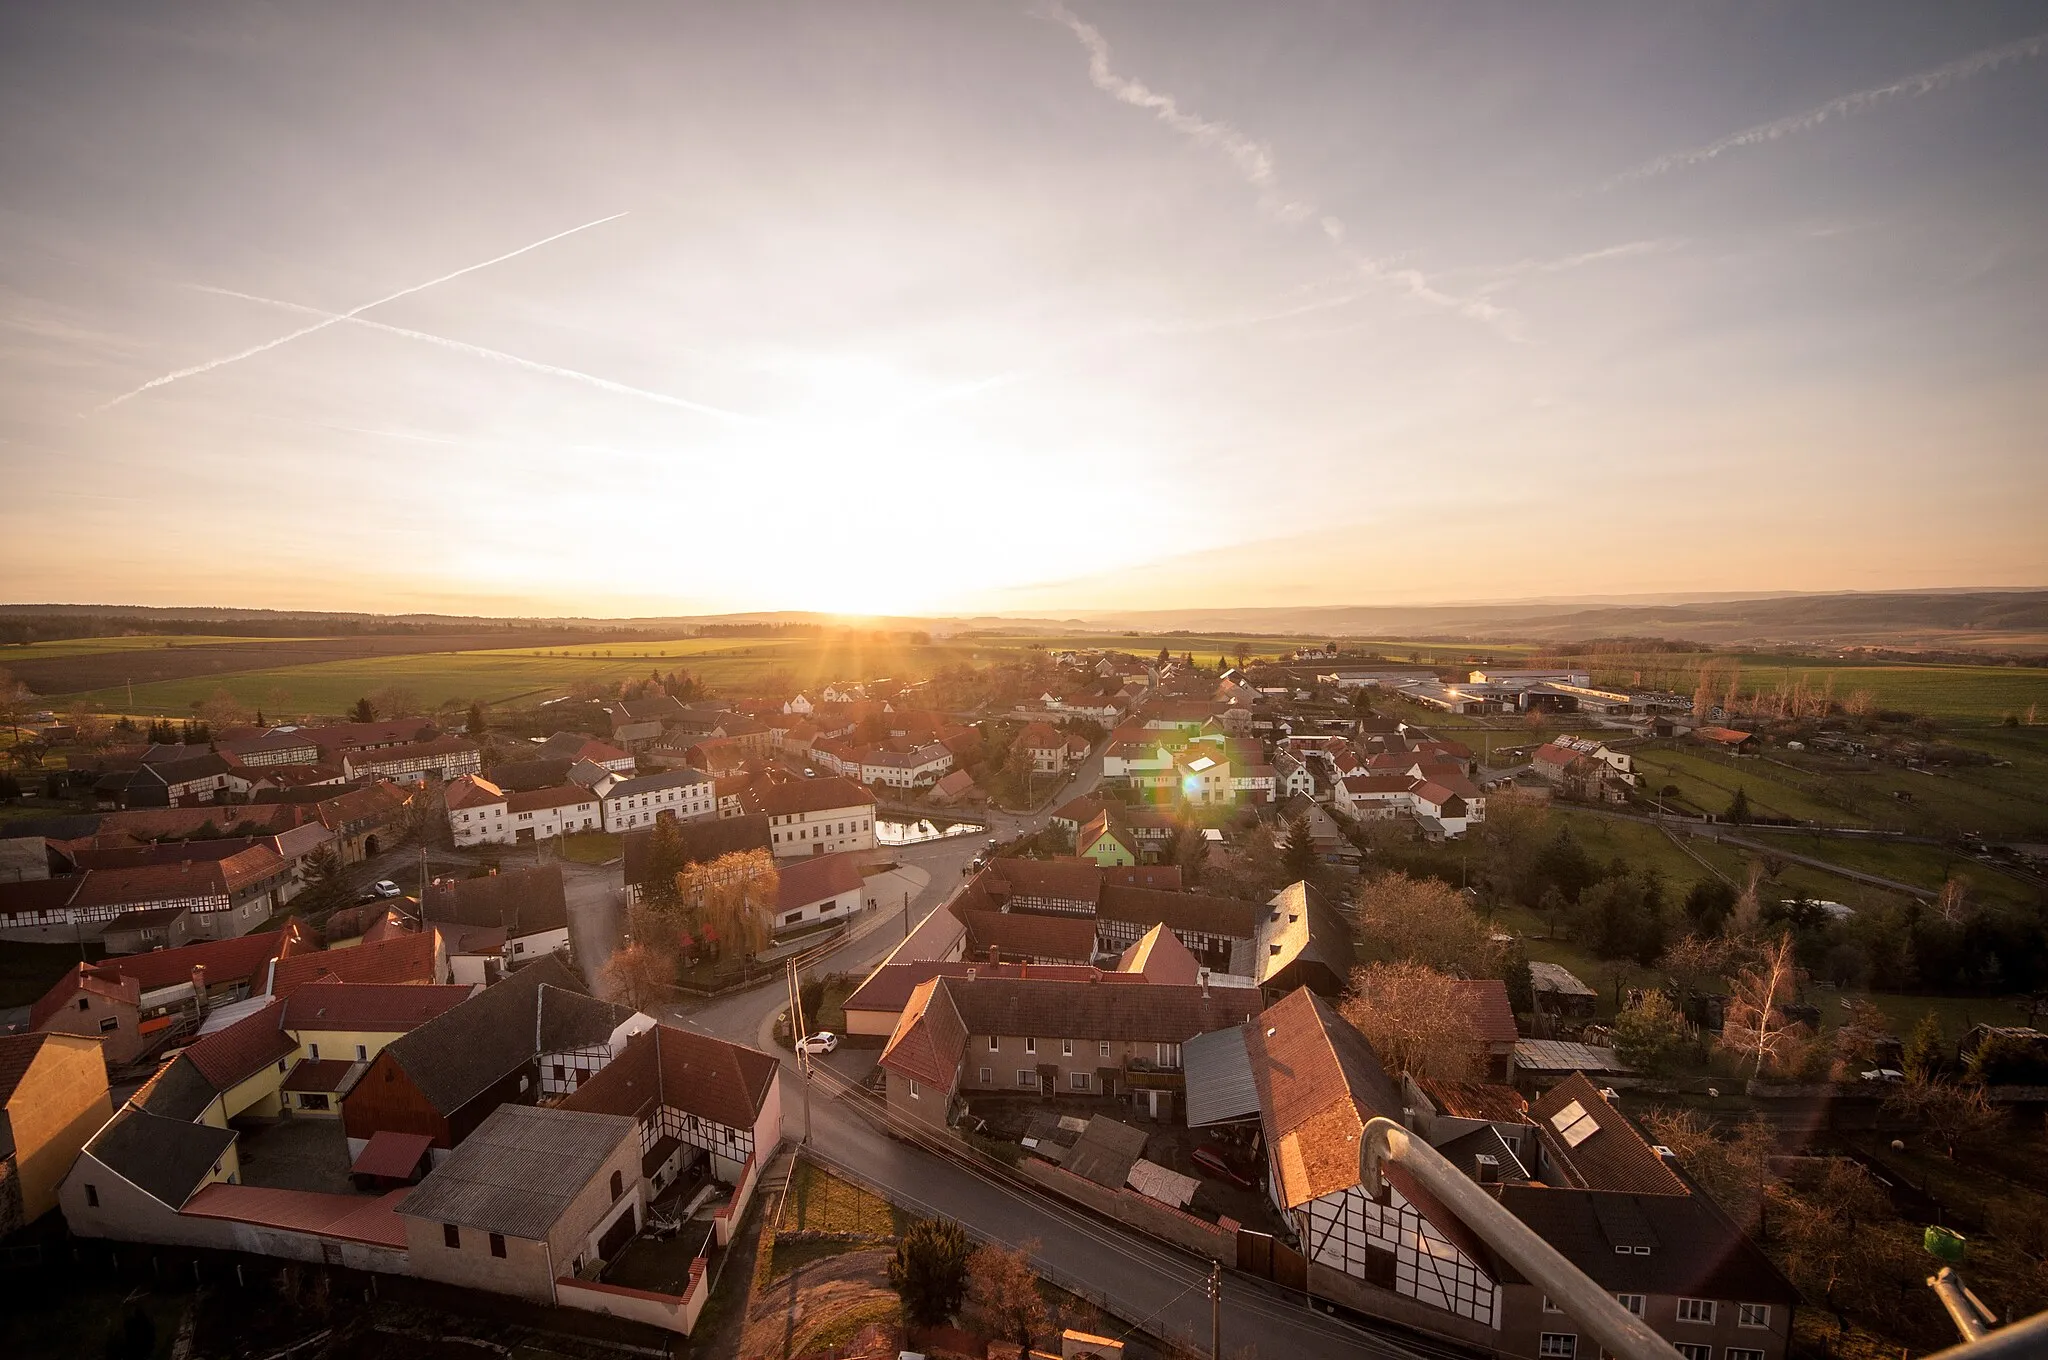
(1621, 1332)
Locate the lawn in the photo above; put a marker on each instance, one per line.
(1709, 782)
(1970, 695)
(591, 847)
(819, 1201)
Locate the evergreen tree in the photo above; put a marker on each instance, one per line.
(1707, 905)
(1926, 1051)
(475, 725)
(363, 712)
(929, 1271)
(1738, 807)
(1300, 859)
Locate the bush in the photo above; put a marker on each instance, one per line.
(929, 1270)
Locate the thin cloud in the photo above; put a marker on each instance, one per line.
(496, 356)
(1253, 161)
(336, 318)
(1925, 82)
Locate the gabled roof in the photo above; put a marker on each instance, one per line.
(369, 1007)
(167, 1159)
(1694, 1251)
(473, 790)
(1299, 927)
(1028, 935)
(807, 795)
(700, 842)
(1595, 1145)
(1486, 1001)
(232, 1055)
(99, 980)
(1068, 879)
(929, 1037)
(1319, 1082)
(541, 800)
(523, 901)
(520, 1170)
(1159, 956)
(178, 1090)
(1181, 911)
(151, 883)
(888, 988)
(408, 958)
(695, 1073)
(804, 881)
(461, 1053)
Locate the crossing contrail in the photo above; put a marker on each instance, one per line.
(499, 356)
(335, 318)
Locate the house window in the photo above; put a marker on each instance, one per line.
(995, 1045)
(110, 1024)
(1632, 1302)
(988, 1076)
(313, 1052)
(1066, 1048)
(1079, 1080)
(1169, 1055)
(1558, 1345)
(1550, 1307)
(1694, 1350)
(914, 1090)
(1752, 1315)
(312, 1100)
(451, 1237)
(362, 1053)
(84, 1003)
(92, 1196)
(1696, 1310)
(1031, 1045)
(1742, 1353)
(498, 1245)
(618, 1184)
(1027, 1076)
(1102, 1048)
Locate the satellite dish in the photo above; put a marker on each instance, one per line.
(1714, 1092)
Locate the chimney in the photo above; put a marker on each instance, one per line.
(995, 954)
(1202, 976)
(970, 973)
(1488, 1169)
(1024, 968)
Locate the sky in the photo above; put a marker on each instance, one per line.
(947, 307)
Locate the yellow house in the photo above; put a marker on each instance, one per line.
(53, 1097)
(342, 1026)
(1103, 841)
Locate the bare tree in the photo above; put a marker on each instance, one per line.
(1417, 1019)
(1953, 1113)
(1693, 962)
(1425, 921)
(637, 975)
(1002, 1293)
(396, 701)
(223, 710)
(1735, 1171)
(1755, 1026)
(1953, 903)
(1828, 1252)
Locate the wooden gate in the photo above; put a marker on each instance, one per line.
(1267, 1257)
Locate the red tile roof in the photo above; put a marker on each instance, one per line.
(407, 959)
(392, 1155)
(687, 1071)
(1486, 1001)
(245, 959)
(243, 1049)
(369, 1007)
(1614, 1156)
(1318, 1082)
(1026, 936)
(562, 795)
(929, 1038)
(353, 1218)
(100, 980)
(888, 988)
(804, 881)
(1159, 956)
(807, 795)
(472, 791)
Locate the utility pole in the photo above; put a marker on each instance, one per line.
(798, 1029)
(1215, 1311)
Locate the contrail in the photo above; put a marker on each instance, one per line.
(499, 356)
(1253, 161)
(335, 318)
(1926, 82)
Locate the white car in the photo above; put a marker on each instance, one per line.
(824, 1041)
(384, 887)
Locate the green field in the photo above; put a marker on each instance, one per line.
(1962, 694)
(38, 651)
(729, 665)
